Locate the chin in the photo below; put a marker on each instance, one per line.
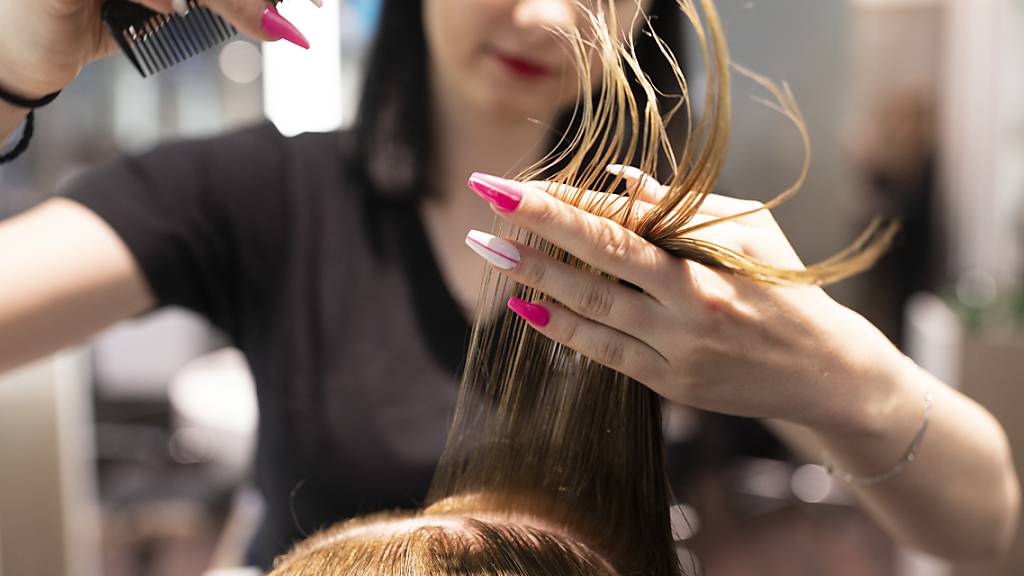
(521, 105)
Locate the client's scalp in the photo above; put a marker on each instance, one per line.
(424, 544)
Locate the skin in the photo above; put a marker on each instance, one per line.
(79, 277)
(47, 43)
(482, 112)
(826, 378)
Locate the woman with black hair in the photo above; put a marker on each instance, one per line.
(337, 263)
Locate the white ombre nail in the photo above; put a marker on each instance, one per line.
(501, 253)
(625, 171)
(648, 185)
(180, 7)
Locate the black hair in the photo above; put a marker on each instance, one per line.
(392, 132)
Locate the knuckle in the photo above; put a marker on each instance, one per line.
(547, 213)
(611, 353)
(595, 300)
(613, 240)
(678, 275)
(717, 309)
(532, 273)
(559, 190)
(569, 334)
(711, 295)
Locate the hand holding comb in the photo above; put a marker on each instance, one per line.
(153, 41)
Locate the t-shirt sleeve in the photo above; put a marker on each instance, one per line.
(191, 213)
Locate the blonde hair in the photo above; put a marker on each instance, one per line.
(540, 430)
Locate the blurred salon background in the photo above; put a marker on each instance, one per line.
(130, 455)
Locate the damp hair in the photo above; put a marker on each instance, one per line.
(540, 431)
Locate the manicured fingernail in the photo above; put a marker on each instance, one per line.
(624, 171)
(533, 313)
(280, 28)
(637, 177)
(319, 3)
(629, 173)
(504, 194)
(498, 252)
(180, 7)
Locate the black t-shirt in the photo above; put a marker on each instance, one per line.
(332, 293)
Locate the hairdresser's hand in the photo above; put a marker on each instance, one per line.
(44, 44)
(694, 335)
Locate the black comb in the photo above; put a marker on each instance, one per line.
(154, 41)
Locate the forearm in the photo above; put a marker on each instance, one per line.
(959, 498)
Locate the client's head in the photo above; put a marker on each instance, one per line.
(437, 542)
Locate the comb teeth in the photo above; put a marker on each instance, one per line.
(154, 42)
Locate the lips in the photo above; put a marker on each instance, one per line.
(521, 66)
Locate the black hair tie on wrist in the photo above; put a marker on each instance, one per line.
(22, 145)
(15, 100)
(26, 133)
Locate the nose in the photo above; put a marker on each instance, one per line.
(543, 14)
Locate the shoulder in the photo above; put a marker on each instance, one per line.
(258, 164)
(319, 153)
(249, 178)
(321, 172)
(253, 152)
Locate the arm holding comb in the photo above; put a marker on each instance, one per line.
(154, 40)
(44, 44)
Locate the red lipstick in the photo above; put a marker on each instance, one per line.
(522, 67)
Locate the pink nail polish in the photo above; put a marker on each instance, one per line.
(280, 28)
(533, 313)
(504, 194)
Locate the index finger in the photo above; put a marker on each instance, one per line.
(254, 18)
(610, 205)
(615, 206)
(645, 187)
(598, 241)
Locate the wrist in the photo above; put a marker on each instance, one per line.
(878, 431)
(19, 101)
(21, 79)
(14, 108)
(869, 393)
(10, 118)
(26, 89)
